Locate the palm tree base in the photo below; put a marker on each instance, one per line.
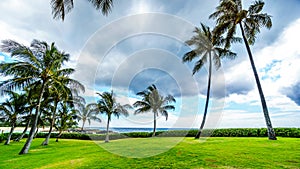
(271, 134)
(198, 135)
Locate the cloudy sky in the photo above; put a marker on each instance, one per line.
(141, 42)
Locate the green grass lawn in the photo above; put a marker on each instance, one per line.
(189, 153)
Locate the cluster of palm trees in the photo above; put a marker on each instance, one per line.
(41, 90)
(45, 85)
(212, 46)
(38, 82)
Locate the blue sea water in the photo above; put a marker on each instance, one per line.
(127, 130)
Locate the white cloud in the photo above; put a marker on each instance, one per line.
(278, 68)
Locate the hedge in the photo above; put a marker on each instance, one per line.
(234, 132)
(2, 138)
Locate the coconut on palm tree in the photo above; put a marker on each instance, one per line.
(37, 66)
(207, 49)
(109, 106)
(229, 16)
(61, 7)
(11, 110)
(153, 101)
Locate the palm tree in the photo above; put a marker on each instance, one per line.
(37, 67)
(61, 90)
(109, 106)
(31, 96)
(153, 101)
(61, 7)
(86, 113)
(207, 47)
(12, 109)
(66, 117)
(230, 15)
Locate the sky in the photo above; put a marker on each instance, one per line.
(141, 42)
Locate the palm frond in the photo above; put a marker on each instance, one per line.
(104, 5)
(198, 65)
(61, 7)
(256, 7)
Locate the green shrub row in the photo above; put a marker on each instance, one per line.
(237, 132)
(233, 132)
(251, 132)
(78, 136)
(2, 138)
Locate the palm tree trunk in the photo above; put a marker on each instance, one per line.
(10, 134)
(46, 141)
(154, 127)
(107, 131)
(83, 122)
(207, 98)
(271, 132)
(36, 132)
(26, 146)
(24, 131)
(58, 136)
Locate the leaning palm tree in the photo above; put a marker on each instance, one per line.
(109, 106)
(207, 48)
(61, 7)
(12, 108)
(59, 91)
(230, 15)
(36, 66)
(85, 113)
(153, 101)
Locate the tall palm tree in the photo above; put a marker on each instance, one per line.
(61, 7)
(11, 109)
(110, 107)
(153, 101)
(36, 66)
(207, 48)
(86, 113)
(230, 15)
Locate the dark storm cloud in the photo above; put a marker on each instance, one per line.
(293, 93)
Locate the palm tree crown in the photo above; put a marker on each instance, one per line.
(153, 101)
(209, 47)
(87, 113)
(230, 13)
(61, 7)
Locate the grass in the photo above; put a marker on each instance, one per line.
(156, 153)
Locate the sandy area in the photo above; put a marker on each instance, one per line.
(19, 129)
